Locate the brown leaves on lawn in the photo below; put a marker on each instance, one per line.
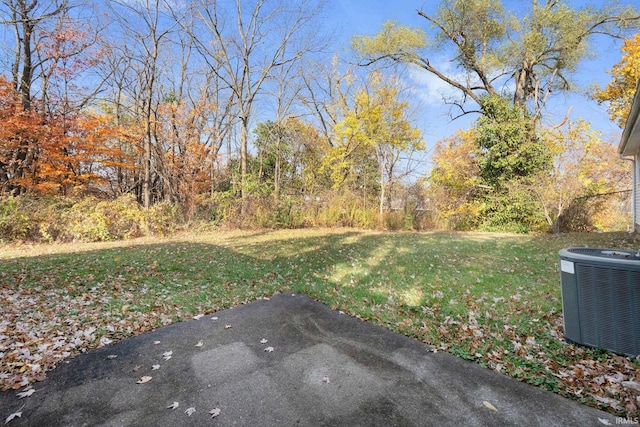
(40, 327)
(605, 380)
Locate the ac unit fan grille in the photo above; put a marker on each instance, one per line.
(608, 302)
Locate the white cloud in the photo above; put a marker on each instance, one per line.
(430, 89)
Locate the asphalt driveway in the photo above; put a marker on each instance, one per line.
(285, 361)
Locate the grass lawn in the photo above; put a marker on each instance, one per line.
(491, 298)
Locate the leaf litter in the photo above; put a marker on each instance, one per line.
(51, 313)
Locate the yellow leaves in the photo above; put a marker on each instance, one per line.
(376, 122)
(391, 39)
(621, 89)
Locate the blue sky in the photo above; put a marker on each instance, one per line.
(367, 16)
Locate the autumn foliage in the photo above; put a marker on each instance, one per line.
(52, 154)
(625, 75)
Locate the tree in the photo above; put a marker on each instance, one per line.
(376, 124)
(70, 152)
(583, 167)
(29, 20)
(508, 145)
(148, 25)
(265, 37)
(535, 53)
(454, 183)
(622, 87)
(27, 17)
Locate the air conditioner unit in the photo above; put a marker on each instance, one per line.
(601, 298)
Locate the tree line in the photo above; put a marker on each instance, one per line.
(240, 111)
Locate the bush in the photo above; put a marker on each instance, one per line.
(53, 219)
(32, 217)
(15, 224)
(277, 213)
(162, 218)
(91, 219)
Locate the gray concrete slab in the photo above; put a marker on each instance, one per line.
(326, 369)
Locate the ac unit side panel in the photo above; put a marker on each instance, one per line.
(588, 303)
(570, 307)
(626, 321)
(605, 314)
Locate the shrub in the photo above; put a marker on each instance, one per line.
(162, 218)
(91, 219)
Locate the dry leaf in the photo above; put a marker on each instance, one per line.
(167, 355)
(269, 349)
(227, 326)
(174, 405)
(136, 368)
(190, 411)
(12, 416)
(155, 367)
(633, 386)
(214, 318)
(144, 379)
(325, 380)
(112, 356)
(604, 421)
(156, 342)
(214, 412)
(198, 316)
(200, 344)
(26, 393)
(489, 405)
(264, 341)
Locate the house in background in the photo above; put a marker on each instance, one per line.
(630, 148)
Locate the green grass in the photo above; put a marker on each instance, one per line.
(491, 298)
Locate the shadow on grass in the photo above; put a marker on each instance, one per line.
(480, 296)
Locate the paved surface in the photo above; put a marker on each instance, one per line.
(326, 369)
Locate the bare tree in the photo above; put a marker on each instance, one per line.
(25, 18)
(244, 47)
(148, 25)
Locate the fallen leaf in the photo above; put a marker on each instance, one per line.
(214, 318)
(632, 386)
(26, 393)
(136, 368)
(264, 341)
(489, 405)
(325, 380)
(144, 379)
(214, 412)
(604, 421)
(227, 326)
(167, 355)
(200, 344)
(198, 316)
(269, 349)
(12, 416)
(174, 405)
(112, 356)
(190, 411)
(155, 367)
(156, 342)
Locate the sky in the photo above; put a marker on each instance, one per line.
(365, 17)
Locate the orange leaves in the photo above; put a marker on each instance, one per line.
(52, 153)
